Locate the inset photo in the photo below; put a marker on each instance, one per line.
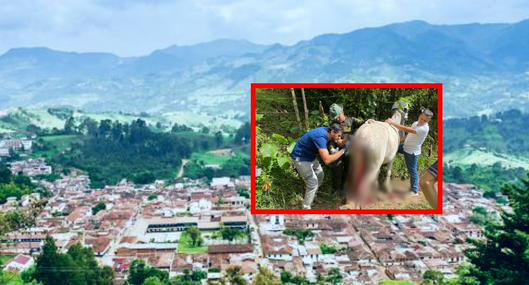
(347, 148)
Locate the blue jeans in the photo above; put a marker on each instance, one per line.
(412, 163)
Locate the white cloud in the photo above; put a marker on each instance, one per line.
(138, 27)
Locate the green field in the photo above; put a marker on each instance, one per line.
(185, 247)
(9, 278)
(4, 259)
(468, 156)
(210, 158)
(56, 145)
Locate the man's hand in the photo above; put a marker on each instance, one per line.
(342, 141)
(330, 158)
(400, 127)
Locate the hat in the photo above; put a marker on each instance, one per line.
(427, 112)
(335, 111)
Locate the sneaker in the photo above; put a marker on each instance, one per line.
(306, 207)
(413, 194)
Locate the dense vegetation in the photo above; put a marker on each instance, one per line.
(16, 185)
(111, 151)
(301, 235)
(502, 132)
(278, 130)
(76, 267)
(500, 135)
(502, 257)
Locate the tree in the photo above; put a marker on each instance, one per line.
(139, 272)
(503, 257)
(234, 276)
(99, 207)
(433, 277)
(195, 235)
(334, 276)
(152, 197)
(50, 266)
(152, 281)
(5, 174)
(219, 139)
(266, 277)
(69, 126)
(230, 234)
(243, 134)
(4, 225)
(144, 177)
(77, 267)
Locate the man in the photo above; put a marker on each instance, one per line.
(412, 145)
(349, 126)
(428, 180)
(304, 156)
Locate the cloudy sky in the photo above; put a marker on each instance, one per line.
(130, 28)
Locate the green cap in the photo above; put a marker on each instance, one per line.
(335, 111)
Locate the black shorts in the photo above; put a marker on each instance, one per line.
(433, 169)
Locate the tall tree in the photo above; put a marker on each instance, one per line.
(266, 277)
(503, 257)
(139, 272)
(219, 139)
(195, 235)
(234, 276)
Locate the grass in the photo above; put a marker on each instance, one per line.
(210, 158)
(9, 278)
(57, 144)
(4, 259)
(185, 246)
(468, 156)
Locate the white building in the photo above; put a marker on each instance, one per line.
(19, 263)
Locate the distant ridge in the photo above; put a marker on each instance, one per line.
(483, 67)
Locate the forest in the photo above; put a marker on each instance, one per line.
(110, 150)
(499, 137)
(278, 186)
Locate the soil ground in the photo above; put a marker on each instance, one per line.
(400, 198)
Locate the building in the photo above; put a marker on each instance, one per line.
(19, 263)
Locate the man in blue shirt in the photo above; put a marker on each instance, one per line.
(305, 159)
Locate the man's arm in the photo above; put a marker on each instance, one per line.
(330, 158)
(401, 127)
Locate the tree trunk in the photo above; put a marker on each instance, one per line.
(322, 112)
(305, 109)
(296, 108)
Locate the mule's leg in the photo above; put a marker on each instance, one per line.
(386, 184)
(382, 178)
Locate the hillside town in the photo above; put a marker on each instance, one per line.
(149, 222)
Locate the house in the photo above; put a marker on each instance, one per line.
(19, 263)
(230, 248)
(221, 182)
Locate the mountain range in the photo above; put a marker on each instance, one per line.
(485, 68)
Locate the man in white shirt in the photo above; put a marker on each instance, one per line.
(412, 145)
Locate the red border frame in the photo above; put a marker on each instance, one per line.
(437, 86)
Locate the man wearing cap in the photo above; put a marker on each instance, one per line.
(304, 157)
(411, 149)
(349, 125)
